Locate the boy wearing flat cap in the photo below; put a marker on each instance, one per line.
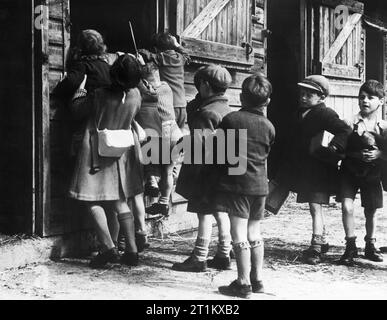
(315, 180)
(197, 182)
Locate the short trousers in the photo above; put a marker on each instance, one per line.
(242, 206)
(371, 193)
(313, 197)
(181, 116)
(197, 205)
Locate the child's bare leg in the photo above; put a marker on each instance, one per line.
(319, 244)
(241, 248)
(316, 212)
(257, 249)
(113, 224)
(224, 235)
(139, 212)
(348, 217)
(126, 219)
(98, 215)
(370, 251)
(370, 224)
(166, 183)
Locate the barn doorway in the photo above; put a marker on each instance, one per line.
(16, 161)
(111, 19)
(375, 54)
(283, 70)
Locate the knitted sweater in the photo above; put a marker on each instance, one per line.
(156, 106)
(171, 65)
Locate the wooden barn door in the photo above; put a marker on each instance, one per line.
(52, 39)
(335, 43)
(217, 31)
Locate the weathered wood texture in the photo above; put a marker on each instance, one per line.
(216, 29)
(340, 49)
(341, 54)
(57, 217)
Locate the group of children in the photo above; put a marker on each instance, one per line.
(121, 89)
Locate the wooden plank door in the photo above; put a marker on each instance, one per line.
(337, 50)
(52, 42)
(217, 31)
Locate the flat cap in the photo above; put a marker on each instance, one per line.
(317, 83)
(216, 75)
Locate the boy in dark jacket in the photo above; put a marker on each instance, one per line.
(197, 181)
(362, 169)
(315, 180)
(243, 196)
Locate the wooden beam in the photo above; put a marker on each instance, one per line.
(341, 71)
(201, 22)
(217, 52)
(342, 37)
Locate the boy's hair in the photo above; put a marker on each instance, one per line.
(163, 41)
(256, 89)
(217, 77)
(90, 42)
(373, 88)
(125, 72)
(148, 69)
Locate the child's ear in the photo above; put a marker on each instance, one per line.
(323, 97)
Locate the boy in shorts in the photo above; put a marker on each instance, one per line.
(315, 180)
(243, 196)
(362, 169)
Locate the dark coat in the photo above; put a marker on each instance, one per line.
(307, 173)
(260, 137)
(195, 181)
(116, 177)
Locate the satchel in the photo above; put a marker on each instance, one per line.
(278, 193)
(114, 143)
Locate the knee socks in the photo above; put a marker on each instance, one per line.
(201, 249)
(224, 246)
(126, 220)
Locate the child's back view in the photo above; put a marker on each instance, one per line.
(243, 196)
(170, 57)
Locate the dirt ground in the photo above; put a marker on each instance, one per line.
(286, 277)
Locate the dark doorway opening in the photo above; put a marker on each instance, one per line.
(111, 19)
(16, 205)
(375, 54)
(283, 61)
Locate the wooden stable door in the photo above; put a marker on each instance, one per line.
(52, 39)
(217, 30)
(336, 49)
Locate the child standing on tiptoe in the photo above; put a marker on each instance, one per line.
(315, 180)
(362, 169)
(243, 196)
